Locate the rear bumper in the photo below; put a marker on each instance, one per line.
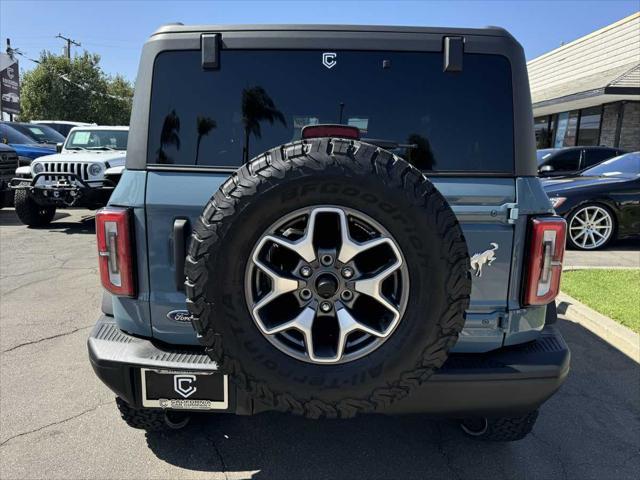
(509, 381)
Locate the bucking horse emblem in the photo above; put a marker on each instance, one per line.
(479, 260)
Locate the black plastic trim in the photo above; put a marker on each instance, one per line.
(511, 380)
(453, 53)
(210, 51)
(180, 232)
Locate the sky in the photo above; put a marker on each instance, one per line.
(116, 29)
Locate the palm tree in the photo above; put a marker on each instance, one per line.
(169, 135)
(257, 106)
(420, 155)
(205, 125)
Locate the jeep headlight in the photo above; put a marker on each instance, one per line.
(38, 168)
(95, 169)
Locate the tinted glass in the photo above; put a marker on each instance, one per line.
(590, 126)
(597, 155)
(568, 160)
(627, 165)
(97, 140)
(10, 135)
(571, 131)
(543, 132)
(260, 99)
(40, 133)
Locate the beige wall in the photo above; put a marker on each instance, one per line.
(600, 54)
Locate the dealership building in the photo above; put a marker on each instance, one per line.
(587, 92)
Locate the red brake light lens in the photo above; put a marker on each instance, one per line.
(338, 131)
(546, 252)
(115, 250)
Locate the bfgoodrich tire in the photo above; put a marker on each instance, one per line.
(341, 176)
(30, 213)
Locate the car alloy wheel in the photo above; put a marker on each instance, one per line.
(590, 227)
(326, 284)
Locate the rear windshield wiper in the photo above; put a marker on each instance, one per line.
(389, 144)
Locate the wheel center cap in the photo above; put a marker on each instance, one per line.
(326, 285)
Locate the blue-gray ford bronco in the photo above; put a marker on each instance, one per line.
(331, 221)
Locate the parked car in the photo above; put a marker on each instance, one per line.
(601, 203)
(26, 147)
(62, 126)
(554, 162)
(329, 276)
(11, 97)
(40, 133)
(8, 165)
(83, 174)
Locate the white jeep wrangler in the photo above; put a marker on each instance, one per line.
(82, 174)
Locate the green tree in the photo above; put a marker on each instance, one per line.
(76, 90)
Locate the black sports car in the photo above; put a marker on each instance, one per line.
(555, 162)
(600, 203)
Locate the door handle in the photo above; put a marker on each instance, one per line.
(180, 231)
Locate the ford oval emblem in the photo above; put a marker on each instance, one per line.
(182, 316)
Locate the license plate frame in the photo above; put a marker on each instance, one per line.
(187, 382)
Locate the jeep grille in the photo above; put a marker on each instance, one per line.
(77, 168)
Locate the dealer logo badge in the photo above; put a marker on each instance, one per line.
(329, 59)
(183, 385)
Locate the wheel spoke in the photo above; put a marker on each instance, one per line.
(582, 232)
(348, 324)
(349, 248)
(279, 284)
(372, 287)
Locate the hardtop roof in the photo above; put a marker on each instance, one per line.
(181, 28)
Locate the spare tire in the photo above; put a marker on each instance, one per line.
(280, 243)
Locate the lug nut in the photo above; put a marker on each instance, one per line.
(325, 307)
(305, 294)
(326, 260)
(346, 295)
(347, 272)
(305, 271)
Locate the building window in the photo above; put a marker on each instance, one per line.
(571, 134)
(544, 132)
(589, 131)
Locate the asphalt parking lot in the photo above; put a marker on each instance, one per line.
(58, 421)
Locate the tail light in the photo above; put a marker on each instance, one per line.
(338, 131)
(546, 251)
(115, 250)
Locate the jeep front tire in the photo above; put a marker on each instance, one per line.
(30, 213)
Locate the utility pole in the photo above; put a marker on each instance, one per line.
(67, 49)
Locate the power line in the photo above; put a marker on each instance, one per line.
(69, 42)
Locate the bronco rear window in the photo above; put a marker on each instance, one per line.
(258, 99)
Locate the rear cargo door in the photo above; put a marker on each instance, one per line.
(456, 126)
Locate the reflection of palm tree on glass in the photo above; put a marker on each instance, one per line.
(421, 156)
(257, 106)
(205, 125)
(170, 135)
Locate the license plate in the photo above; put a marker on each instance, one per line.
(184, 390)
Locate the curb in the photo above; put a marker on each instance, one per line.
(618, 336)
(595, 267)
